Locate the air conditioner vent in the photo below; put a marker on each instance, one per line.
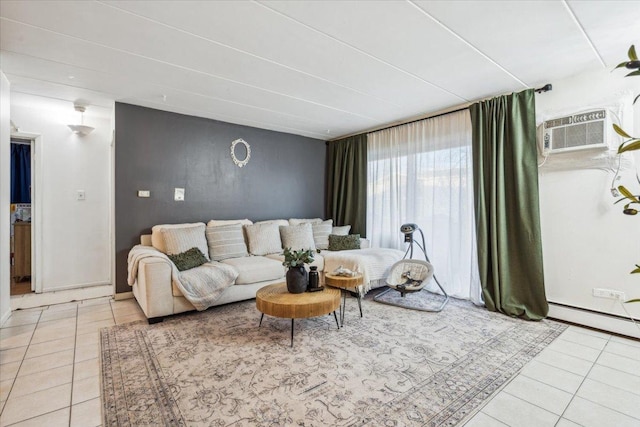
(576, 132)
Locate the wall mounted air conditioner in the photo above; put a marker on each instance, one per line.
(580, 131)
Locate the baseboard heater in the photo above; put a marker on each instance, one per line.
(593, 319)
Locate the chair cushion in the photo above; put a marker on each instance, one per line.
(226, 241)
(254, 269)
(263, 238)
(157, 240)
(219, 222)
(297, 237)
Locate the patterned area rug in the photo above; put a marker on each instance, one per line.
(393, 367)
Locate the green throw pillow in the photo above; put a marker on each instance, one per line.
(343, 243)
(188, 259)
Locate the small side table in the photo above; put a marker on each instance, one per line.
(346, 283)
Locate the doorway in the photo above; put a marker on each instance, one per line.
(22, 191)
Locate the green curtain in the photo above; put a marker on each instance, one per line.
(506, 205)
(346, 187)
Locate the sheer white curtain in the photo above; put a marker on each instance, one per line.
(422, 173)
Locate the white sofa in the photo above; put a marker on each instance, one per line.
(158, 296)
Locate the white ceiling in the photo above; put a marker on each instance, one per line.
(316, 68)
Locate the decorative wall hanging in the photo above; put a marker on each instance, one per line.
(238, 162)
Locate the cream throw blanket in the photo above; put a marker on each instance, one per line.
(201, 286)
(373, 263)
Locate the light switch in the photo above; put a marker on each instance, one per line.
(178, 196)
(80, 195)
(144, 193)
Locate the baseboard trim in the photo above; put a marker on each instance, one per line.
(123, 295)
(596, 320)
(59, 297)
(5, 317)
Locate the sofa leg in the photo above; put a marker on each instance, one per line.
(153, 320)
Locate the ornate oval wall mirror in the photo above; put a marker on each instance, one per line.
(240, 152)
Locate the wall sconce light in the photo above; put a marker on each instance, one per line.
(81, 129)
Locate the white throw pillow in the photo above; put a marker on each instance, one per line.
(321, 233)
(219, 222)
(263, 239)
(297, 221)
(157, 240)
(297, 237)
(226, 241)
(179, 240)
(341, 230)
(278, 222)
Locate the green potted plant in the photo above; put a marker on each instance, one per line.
(297, 276)
(630, 143)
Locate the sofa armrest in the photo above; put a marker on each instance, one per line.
(153, 288)
(365, 243)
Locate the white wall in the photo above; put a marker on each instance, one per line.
(75, 234)
(587, 241)
(5, 177)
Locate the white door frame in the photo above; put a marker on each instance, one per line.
(36, 207)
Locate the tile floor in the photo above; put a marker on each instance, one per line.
(49, 373)
(49, 369)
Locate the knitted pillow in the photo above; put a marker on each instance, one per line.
(341, 231)
(297, 237)
(226, 241)
(321, 233)
(263, 239)
(178, 240)
(189, 259)
(343, 243)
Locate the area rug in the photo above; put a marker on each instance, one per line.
(392, 367)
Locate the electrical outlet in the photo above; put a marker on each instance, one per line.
(609, 293)
(144, 193)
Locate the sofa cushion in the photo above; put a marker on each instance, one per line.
(341, 230)
(278, 222)
(298, 221)
(318, 260)
(263, 238)
(254, 269)
(181, 239)
(226, 241)
(219, 222)
(189, 259)
(297, 237)
(344, 243)
(321, 233)
(157, 240)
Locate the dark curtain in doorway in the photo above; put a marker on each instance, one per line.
(20, 173)
(506, 205)
(346, 191)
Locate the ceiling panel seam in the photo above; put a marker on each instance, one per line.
(463, 40)
(198, 113)
(261, 58)
(382, 61)
(197, 71)
(160, 88)
(583, 32)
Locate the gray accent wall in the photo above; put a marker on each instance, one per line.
(159, 151)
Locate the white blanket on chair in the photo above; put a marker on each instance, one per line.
(201, 286)
(373, 263)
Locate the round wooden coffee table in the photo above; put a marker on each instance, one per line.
(346, 283)
(276, 301)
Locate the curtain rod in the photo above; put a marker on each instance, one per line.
(545, 88)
